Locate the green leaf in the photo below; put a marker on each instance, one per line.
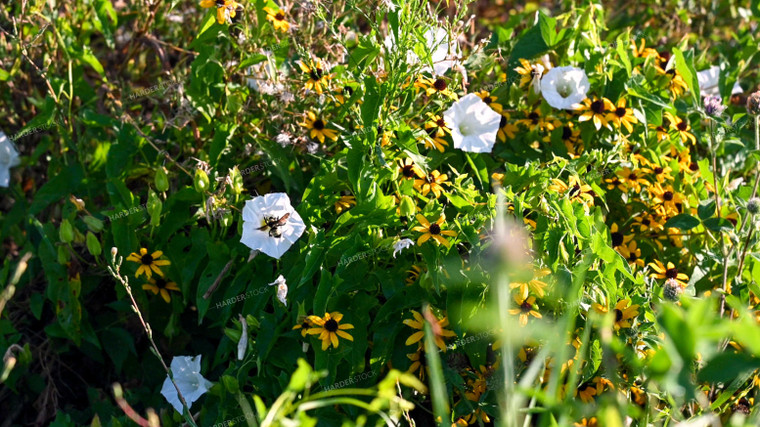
(682, 222)
(727, 366)
(686, 69)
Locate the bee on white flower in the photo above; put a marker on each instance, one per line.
(271, 224)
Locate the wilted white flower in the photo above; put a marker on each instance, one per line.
(8, 159)
(389, 5)
(282, 289)
(473, 124)
(565, 87)
(263, 71)
(708, 82)
(270, 224)
(287, 97)
(243, 342)
(186, 371)
(443, 52)
(283, 139)
(401, 245)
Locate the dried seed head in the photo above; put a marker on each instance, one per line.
(753, 205)
(753, 104)
(672, 290)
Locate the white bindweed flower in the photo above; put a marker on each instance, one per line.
(473, 124)
(443, 52)
(401, 245)
(8, 159)
(282, 289)
(270, 224)
(283, 139)
(708, 82)
(186, 371)
(565, 87)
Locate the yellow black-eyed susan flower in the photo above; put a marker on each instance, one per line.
(418, 323)
(409, 170)
(433, 230)
(318, 77)
(344, 203)
(277, 18)
(534, 121)
(621, 116)
(624, 314)
(534, 285)
(161, 285)
(413, 274)
(434, 182)
(507, 129)
(419, 363)
(318, 127)
(490, 100)
(436, 126)
(597, 111)
(225, 9)
(304, 325)
(329, 329)
(575, 190)
(526, 306)
(586, 391)
(668, 271)
(148, 262)
(682, 127)
(435, 86)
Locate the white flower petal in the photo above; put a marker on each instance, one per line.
(564, 88)
(187, 376)
(274, 205)
(473, 124)
(8, 159)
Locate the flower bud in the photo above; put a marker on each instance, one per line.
(753, 206)
(93, 245)
(753, 104)
(407, 206)
(79, 203)
(201, 181)
(713, 105)
(66, 231)
(161, 179)
(114, 251)
(93, 223)
(672, 290)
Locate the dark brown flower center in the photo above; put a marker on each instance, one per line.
(219, 3)
(646, 221)
(440, 123)
(502, 122)
(348, 90)
(526, 306)
(318, 124)
(160, 283)
(331, 325)
(597, 106)
(682, 126)
(668, 196)
(146, 259)
(632, 177)
(658, 170)
(408, 171)
(618, 315)
(487, 100)
(534, 117)
(566, 132)
(279, 16)
(671, 273)
(693, 166)
(439, 85)
(315, 74)
(435, 229)
(620, 112)
(617, 239)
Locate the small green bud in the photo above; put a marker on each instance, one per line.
(94, 224)
(93, 245)
(407, 206)
(66, 231)
(201, 181)
(161, 179)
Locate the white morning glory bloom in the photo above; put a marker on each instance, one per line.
(270, 224)
(708, 82)
(186, 371)
(8, 159)
(473, 124)
(564, 88)
(282, 289)
(401, 245)
(444, 53)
